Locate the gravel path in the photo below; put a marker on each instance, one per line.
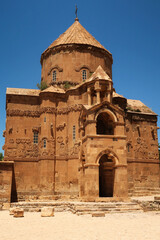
(67, 226)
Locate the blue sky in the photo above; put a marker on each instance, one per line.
(129, 29)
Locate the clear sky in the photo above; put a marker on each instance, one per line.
(129, 29)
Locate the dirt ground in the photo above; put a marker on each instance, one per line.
(67, 226)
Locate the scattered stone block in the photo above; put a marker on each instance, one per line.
(98, 214)
(11, 211)
(47, 212)
(18, 212)
(6, 206)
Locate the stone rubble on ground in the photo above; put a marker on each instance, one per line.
(47, 212)
(18, 212)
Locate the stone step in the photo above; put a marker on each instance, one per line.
(122, 207)
(141, 194)
(142, 191)
(147, 188)
(80, 208)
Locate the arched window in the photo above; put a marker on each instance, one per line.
(128, 147)
(84, 75)
(35, 137)
(54, 76)
(105, 125)
(74, 132)
(44, 143)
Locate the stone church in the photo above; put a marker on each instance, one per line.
(78, 138)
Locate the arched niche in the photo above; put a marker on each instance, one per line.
(105, 123)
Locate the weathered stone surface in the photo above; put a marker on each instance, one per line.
(47, 212)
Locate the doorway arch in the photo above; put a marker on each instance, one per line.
(106, 176)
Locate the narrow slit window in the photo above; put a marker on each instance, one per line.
(54, 76)
(128, 147)
(35, 138)
(139, 133)
(44, 119)
(84, 75)
(153, 135)
(74, 132)
(44, 143)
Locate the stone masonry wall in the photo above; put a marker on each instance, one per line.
(6, 170)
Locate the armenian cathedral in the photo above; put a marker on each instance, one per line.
(77, 138)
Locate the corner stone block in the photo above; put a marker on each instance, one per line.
(47, 212)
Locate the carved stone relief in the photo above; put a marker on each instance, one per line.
(61, 146)
(75, 149)
(11, 140)
(61, 127)
(73, 108)
(50, 147)
(22, 148)
(60, 139)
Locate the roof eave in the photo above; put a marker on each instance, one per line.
(58, 47)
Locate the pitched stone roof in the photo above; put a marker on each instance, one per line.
(138, 107)
(54, 90)
(116, 95)
(99, 74)
(76, 34)
(23, 91)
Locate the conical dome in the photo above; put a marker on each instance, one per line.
(73, 57)
(76, 34)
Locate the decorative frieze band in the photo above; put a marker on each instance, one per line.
(26, 113)
(52, 110)
(73, 108)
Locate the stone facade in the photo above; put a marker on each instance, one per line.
(78, 137)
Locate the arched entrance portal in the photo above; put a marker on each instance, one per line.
(106, 176)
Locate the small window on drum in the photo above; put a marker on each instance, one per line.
(54, 76)
(84, 75)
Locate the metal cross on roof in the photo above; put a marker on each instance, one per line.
(76, 10)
